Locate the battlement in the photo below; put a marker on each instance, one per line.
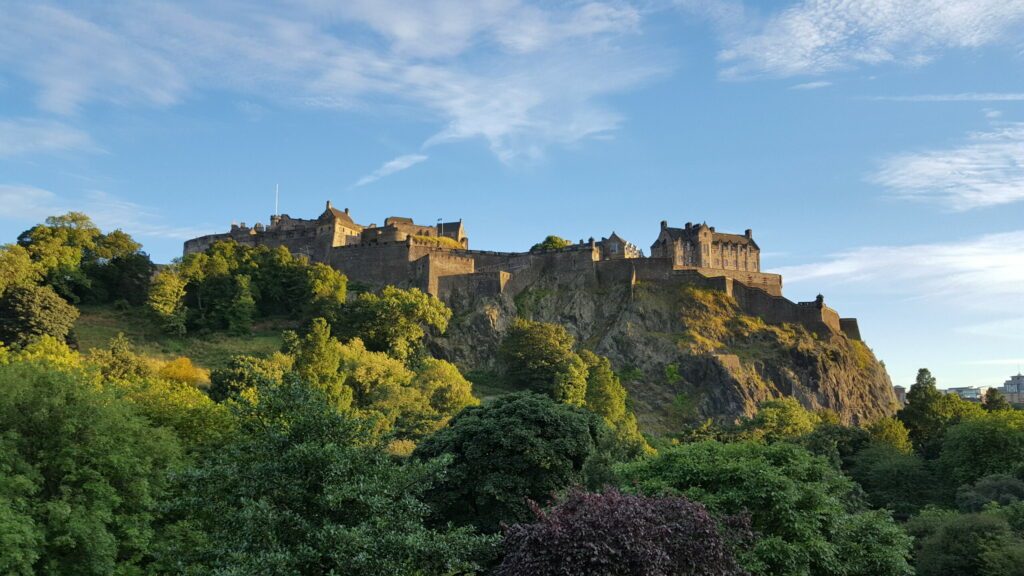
(437, 259)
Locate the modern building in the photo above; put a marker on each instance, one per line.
(901, 394)
(1013, 389)
(970, 393)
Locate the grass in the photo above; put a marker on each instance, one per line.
(442, 241)
(99, 324)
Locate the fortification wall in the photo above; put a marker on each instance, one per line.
(779, 310)
(468, 287)
(374, 264)
(437, 265)
(850, 327)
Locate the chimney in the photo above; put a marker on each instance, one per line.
(328, 204)
(664, 224)
(749, 233)
(712, 228)
(689, 226)
(346, 210)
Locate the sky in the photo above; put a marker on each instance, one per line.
(875, 147)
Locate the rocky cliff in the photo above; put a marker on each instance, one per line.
(685, 353)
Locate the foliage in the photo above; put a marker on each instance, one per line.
(551, 243)
(994, 401)
(607, 397)
(245, 372)
(837, 442)
(519, 446)
(963, 544)
(778, 420)
(929, 412)
(80, 262)
(1001, 489)
(17, 268)
(166, 302)
(891, 432)
(394, 321)
(229, 286)
(987, 443)
(539, 357)
(119, 361)
(82, 474)
(304, 489)
(613, 534)
(29, 312)
(894, 479)
(182, 370)
(802, 507)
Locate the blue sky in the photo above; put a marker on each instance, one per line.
(875, 147)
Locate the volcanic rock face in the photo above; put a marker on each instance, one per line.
(685, 354)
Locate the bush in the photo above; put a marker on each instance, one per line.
(613, 534)
(29, 312)
(801, 506)
(517, 447)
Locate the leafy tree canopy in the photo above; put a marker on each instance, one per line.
(551, 243)
(82, 474)
(305, 489)
(28, 312)
(800, 505)
(539, 356)
(517, 447)
(929, 413)
(394, 321)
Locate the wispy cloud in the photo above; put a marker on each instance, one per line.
(819, 36)
(29, 136)
(390, 167)
(811, 85)
(29, 204)
(519, 76)
(986, 170)
(961, 97)
(984, 273)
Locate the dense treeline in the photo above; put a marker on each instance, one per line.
(352, 450)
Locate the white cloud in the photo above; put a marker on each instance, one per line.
(961, 97)
(818, 36)
(811, 85)
(984, 273)
(29, 204)
(517, 75)
(986, 170)
(390, 167)
(29, 136)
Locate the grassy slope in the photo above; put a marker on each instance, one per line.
(98, 324)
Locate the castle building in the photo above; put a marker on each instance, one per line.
(437, 259)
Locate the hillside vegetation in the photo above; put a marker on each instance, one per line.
(239, 412)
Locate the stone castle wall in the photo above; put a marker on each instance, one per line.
(374, 260)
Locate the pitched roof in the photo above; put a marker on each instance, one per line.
(682, 233)
(332, 212)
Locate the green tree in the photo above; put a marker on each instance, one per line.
(119, 361)
(244, 373)
(539, 357)
(166, 301)
(892, 432)
(517, 447)
(987, 443)
(894, 479)
(551, 243)
(17, 268)
(803, 508)
(778, 420)
(83, 475)
(929, 413)
(607, 397)
(328, 289)
(394, 321)
(994, 401)
(1000, 489)
(59, 247)
(958, 543)
(242, 309)
(317, 359)
(29, 312)
(305, 489)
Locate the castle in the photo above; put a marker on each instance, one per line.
(437, 259)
